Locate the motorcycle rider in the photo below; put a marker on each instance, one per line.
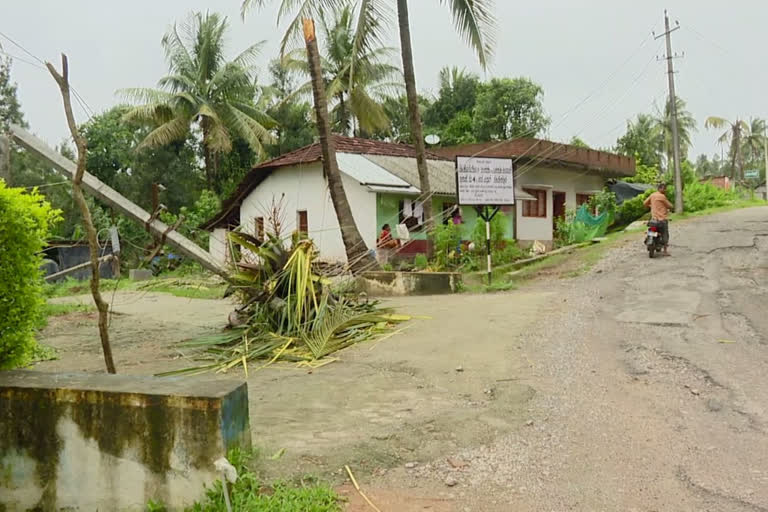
(660, 208)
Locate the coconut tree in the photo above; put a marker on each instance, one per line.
(754, 138)
(733, 136)
(357, 97)
(203, 91)
(303, 24)
(686, 126)
(474, 20)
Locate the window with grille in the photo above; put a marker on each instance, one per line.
(537, 208)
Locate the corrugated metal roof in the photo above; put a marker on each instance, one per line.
(442, 173)
(367, 172)
(395, 190)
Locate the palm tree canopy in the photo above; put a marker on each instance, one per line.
(686, 126)
(357, 84)
(474, 21)
(203, 89)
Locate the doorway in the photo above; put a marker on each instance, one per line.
(558, 207)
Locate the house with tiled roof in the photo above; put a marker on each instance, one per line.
(381, 182)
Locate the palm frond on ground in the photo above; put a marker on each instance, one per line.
(289, 312)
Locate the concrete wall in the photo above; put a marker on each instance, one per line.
(99, 442)
(218, 246)
(305, 188)
(551, 180)
(399, 284)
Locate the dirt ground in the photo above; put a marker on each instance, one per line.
(638, 386)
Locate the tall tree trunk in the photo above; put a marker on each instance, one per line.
(209, 159)
(353, 242)
(734, 151)
(417, 130)
(739, 160)
(77, 192)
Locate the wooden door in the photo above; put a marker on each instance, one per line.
(558, 206)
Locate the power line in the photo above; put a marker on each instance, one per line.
(78, 97)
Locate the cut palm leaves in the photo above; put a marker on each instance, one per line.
(289, 312)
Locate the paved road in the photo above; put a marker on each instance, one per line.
(652, 386)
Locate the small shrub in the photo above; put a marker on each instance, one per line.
(498, 231)
(700, 196)
(447, 241)
(632, 209)
(25, 223)
(249, 494)
(507, 254)
(420, 261)
(603, 202)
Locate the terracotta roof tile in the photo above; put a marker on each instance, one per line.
(305, 155)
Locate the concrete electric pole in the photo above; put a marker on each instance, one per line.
(673, 111)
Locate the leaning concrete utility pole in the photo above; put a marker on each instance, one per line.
(673, 110)
(118, 202)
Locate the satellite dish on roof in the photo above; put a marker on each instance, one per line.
(432, 139)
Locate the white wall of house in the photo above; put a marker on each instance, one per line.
(551, 180)
(305, 188)
(218, 246)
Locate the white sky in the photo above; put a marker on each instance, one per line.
(574, 49)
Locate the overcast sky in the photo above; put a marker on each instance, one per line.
(576, 49)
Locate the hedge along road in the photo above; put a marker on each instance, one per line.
(639, 385)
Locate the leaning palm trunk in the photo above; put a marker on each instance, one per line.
(350, 235)
(417, 131)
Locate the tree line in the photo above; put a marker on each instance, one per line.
(211, 118)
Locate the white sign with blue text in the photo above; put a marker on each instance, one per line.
(485, 181)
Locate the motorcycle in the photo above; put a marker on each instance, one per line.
(653, 238)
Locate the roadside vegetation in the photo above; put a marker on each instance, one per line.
(250, 493)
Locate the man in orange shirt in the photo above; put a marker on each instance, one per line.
(660, 208)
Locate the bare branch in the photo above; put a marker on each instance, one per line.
(77, 192)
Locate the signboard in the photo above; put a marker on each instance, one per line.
(485, 181)
(752, 174)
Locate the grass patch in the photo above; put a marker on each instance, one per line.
(192, 287)
(249, 493)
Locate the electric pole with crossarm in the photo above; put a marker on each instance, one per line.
(673, 111)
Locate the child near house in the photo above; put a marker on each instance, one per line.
(385, 244)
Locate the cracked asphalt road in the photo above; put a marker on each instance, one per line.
(651, 387)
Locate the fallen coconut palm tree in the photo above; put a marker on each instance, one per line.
(289, 311)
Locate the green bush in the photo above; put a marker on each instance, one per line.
(447, 241)
(420, 261)
(25, 223)
(498, 232)
(700, 196)
(250, 494)
(604, 201)
(632, 209)
(507, 254)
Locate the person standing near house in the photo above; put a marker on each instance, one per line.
(457, 221)
(660, 208)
